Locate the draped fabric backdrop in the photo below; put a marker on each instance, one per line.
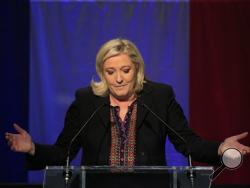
(220, 74)
(65, 37)
(14, 76)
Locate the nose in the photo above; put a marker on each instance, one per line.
(119, 78)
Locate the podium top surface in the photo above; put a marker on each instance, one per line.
(134, 169)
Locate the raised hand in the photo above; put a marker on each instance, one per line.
(233, 142)
(21, 141)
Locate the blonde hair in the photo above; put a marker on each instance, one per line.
(113, 48)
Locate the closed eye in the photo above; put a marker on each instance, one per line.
(126, 70)
(109, 72)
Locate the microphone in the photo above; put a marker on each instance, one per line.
(191, 174)
(67, 173)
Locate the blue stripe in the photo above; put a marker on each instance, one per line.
(65, 37)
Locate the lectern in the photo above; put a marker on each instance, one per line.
(136, 177)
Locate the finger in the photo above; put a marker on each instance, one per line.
(244, 152)
(247, 150)
(16, 146)
(241, 136)
(12, 147)
(9, 143)
(19, 129)
(9, 136)
(243, 149)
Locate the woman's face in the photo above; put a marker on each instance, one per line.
(120, 74)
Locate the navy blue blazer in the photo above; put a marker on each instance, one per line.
(151, 134)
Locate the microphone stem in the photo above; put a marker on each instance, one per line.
(191, 173)
(67, 173)
(190, 161)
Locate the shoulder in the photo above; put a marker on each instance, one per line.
(158, 88)
(84, 92)
(158, 85)
(86, 96)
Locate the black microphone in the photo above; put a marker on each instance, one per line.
(67, 173)
(191, 174)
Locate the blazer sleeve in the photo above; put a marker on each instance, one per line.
(201, 150)
(56, 154)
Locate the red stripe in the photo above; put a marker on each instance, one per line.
(220, 74)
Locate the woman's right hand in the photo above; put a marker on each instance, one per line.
(20, 142)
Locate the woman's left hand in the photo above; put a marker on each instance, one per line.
(233, 142)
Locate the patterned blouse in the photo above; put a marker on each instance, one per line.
(123, 136)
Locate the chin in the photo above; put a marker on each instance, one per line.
(121, 96)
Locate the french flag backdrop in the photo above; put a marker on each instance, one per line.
(65, 37)
(201, 48)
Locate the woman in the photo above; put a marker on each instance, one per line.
(122, 132)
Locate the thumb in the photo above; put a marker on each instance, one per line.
(19, 129)
(240, 136)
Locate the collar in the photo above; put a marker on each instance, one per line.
(143, 97)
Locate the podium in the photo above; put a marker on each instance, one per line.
(136, 177)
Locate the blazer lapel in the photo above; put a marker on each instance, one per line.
(143, 98)
(104, 112)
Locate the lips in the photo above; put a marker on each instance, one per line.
(120, 86)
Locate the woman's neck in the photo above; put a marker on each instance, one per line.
(122, 103)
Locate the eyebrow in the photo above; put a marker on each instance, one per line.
(126, 66)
